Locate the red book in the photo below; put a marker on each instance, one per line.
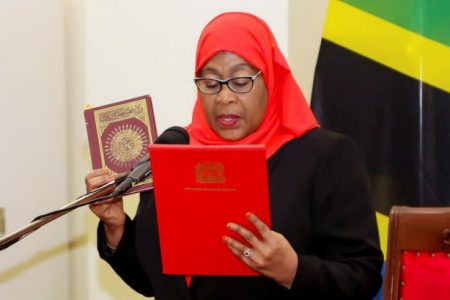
(198, 190)
(119, 134)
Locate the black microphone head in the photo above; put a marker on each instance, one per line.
(173, 135)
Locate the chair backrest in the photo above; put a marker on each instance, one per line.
(418, 254)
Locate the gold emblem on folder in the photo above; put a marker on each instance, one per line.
(210, 172)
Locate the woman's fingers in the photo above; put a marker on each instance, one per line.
(243, 252)
(253, 254)
(235, 246)
(261, 246)
(272, 255)
(245, 233)
(103, 205)
(96, 173)
(98, 181)
(98, 177)
(262, 228)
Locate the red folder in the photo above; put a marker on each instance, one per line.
(198, 190)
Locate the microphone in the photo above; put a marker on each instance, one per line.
(172, 135)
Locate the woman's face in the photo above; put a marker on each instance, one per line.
(231, 115)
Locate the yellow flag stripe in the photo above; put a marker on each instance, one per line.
(388, 44)
(383, 225)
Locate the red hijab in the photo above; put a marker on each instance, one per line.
(287, 115)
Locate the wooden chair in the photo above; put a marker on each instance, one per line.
(418, 255)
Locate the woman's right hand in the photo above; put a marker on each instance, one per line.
(110, 211)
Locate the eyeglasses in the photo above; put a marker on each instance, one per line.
(210, 86)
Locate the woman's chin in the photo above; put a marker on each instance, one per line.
(231, 134)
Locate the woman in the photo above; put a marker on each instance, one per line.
(324, 241)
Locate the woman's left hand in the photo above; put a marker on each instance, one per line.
(272, 255)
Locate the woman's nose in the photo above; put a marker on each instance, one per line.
(226, 95)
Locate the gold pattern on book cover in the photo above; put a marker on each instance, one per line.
(124, 144)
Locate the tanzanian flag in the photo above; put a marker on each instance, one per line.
(383, 78)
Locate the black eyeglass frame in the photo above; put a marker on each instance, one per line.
(226, 81)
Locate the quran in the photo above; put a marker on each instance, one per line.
(198, 190)
(119, 134)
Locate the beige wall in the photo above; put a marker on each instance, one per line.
(58, 55)
(33, 147)
(306, 19)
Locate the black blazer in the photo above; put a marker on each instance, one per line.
(320, 201)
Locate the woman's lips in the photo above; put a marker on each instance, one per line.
(228, 120)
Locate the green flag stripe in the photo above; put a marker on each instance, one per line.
(387, 43)
(430, 18)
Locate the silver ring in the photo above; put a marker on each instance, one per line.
(247, 252)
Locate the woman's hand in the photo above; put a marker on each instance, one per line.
(272, 255)
(110, 211)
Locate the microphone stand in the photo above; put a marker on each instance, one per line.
(16, 236)
(173, 135)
